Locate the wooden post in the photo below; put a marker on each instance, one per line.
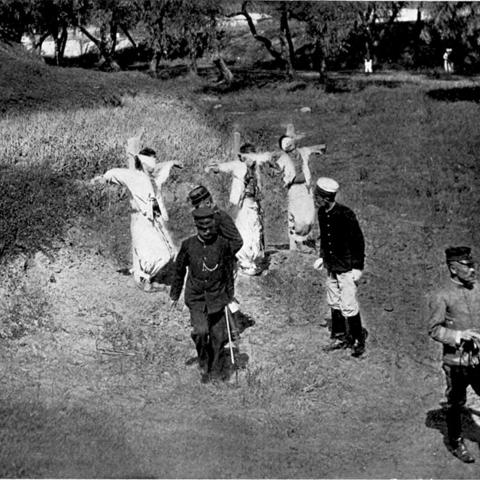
(290, 130)
(237, 139)
(133, 148)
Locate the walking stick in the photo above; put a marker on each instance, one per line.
(229, 336)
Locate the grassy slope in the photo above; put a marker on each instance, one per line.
(296, 411)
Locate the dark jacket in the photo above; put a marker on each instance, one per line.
(210, 280)
(227, 229)
(342, 245)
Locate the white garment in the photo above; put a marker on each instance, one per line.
(301, 213)
(301, 206)
(249, 219)
(152, 246)
(249, 222)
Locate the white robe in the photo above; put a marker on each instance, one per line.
(152, 246)
(301, 206)
(249, 220)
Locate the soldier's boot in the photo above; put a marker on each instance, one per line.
(359, 335)
(461, 451)
(339, 334)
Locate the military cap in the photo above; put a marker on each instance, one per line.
(198, 194)
(203, 216)
(326, 188)
(459, 254)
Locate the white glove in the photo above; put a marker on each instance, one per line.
(357, 275)
(318, 265)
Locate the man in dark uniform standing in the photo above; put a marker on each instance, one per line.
(209, 289)
(342, 252)
(454, 321)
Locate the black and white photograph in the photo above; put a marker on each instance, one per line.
(238, 239)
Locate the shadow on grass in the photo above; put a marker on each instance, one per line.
(464, 94)
(64, 442)
(39, 207)
(436, 419)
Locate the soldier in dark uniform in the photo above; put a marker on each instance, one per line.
(342, 252)
(454, 321)
(208, 290)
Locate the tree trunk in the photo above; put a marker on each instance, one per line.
(263, 40)
(320, 62)
(224, 71)
(417, 39)
(285, 29)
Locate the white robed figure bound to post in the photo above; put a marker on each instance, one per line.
(294, 166)
(152, 245)
(246, 194)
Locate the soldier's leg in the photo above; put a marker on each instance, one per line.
(351, 311)
(218, 339)
(339, 331)
(200, 336)
(457, 383)
(333, 301)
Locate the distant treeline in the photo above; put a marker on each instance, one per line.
(294, 35)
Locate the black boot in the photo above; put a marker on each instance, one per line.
(339, 334)
(461, 451)
(339, 327)
(359, 335)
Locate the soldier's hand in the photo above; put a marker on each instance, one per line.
(357, 274)
(318, 265)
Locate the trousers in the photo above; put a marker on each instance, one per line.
(458, 380)
(209, 333)
(342, 293)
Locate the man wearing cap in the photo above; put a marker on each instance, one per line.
(294, 164)
(342, 252)
(152, 246)
(454, 321)
(200, 197)
(208, 290)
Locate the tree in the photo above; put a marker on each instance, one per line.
(16, 16)
(328, 24)
(109, 16)
(455, 25)
(374, 21)
(285, 57)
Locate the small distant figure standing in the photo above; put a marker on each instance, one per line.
(294, 163)
(454, 321)
(368, 64)
(342, 252)
(152, 245)
(208, 291)
(246, 195)
(447, 62)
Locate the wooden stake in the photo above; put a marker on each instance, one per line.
(133, 148)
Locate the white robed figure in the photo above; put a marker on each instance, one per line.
(152, 245)
(294, 165)
(245, 194)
